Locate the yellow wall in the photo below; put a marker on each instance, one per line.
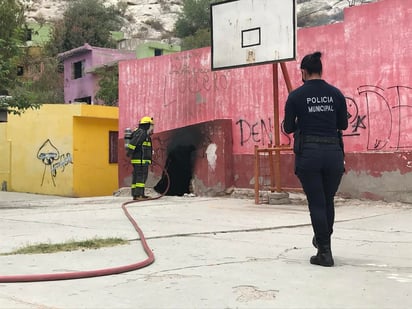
(44, 132)
(5, 146)
(94, 175)
(70, 137)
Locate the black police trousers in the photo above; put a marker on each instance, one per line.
(320, 168)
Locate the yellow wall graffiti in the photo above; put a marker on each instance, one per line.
(62, 149)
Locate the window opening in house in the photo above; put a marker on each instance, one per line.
(87, 100)
(158, 52)
(113, 143)
(78, 69)
(29, 34)
(20, 70)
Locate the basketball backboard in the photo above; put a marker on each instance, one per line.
(250, 32)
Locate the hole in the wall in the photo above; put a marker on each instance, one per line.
(179, 165)
(180, 162)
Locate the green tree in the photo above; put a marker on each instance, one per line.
(193, 24)
(85, 21)
(108, 85)
(48, 87)
(201, 38)
(12, 52)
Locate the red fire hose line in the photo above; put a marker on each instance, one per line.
(98, 272)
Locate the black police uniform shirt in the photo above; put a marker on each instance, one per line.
(316, 108)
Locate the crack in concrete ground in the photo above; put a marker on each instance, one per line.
(22, 302)
(252, 293)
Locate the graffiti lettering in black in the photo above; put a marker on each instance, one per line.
(255, 132)
(193, 80)
(52, 160)
(403, 96)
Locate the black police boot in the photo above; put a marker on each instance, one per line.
(323, 257)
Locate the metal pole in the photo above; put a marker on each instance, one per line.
(286, 76)
(257, 172)
(276, 125)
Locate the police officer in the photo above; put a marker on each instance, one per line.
(316, 112)
(139, 149)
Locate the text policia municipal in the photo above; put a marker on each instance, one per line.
(320, 108)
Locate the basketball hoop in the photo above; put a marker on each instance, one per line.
(252, 32)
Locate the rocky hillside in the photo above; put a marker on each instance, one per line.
(154, 19)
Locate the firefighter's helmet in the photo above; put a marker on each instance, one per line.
(146, 119)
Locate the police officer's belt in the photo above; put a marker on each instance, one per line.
(320, 139)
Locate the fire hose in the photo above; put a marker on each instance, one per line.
(98, 272)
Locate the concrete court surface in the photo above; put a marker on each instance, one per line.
(210, 253)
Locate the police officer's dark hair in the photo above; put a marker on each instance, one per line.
(312, 63)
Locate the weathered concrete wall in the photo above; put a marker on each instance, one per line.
(367, 56)
(378, 175)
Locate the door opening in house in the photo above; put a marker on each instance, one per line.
(181, 155)
(179, 166)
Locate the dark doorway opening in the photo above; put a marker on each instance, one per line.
(180, 162)
(179, 166)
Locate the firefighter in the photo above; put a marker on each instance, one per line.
(139, 149)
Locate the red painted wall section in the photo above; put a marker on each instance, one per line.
(213, 171)
(367, 56)
(180, 90)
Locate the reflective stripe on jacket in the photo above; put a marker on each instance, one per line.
(140, 147)
(138, 161)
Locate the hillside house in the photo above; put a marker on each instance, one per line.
(80, 80)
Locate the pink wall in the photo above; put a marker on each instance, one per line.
(368, 56)
(180, 89)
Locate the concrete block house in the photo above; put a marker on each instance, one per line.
(146, 48)
(80, 81)
(37, 35)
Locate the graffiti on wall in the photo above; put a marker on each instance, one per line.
(382, 115)
(191, 79)
(52, 160)
(258, 132)
(379, 116)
